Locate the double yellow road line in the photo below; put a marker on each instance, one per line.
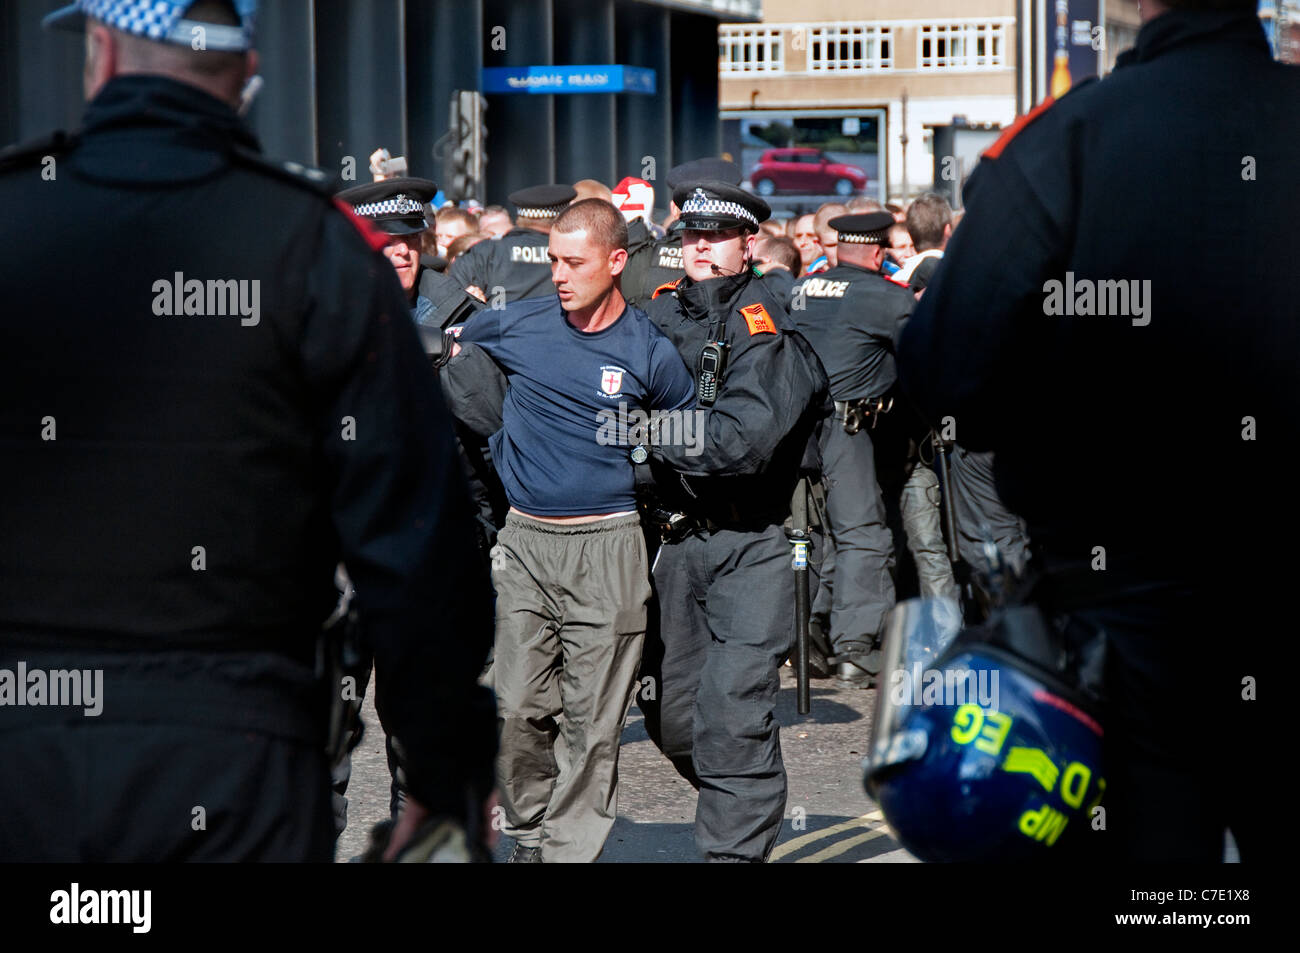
(873, 823)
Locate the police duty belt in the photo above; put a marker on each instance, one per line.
(854, 413)
(675, 525)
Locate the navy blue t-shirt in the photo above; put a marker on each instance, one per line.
(556, 452)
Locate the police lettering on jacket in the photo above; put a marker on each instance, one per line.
(822, 288)
(670, 256)
(534, 255)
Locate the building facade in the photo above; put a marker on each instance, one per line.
(345, 77)
(898, 65)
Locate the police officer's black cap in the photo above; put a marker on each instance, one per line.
(715, 206)
(542, 201)
(868, 228)
(701, 170)
(396, 206)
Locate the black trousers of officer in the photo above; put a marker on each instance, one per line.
(180, 765)
(264, 798)
(1187, 747)
(857, 582)
(979, 509)
(726, 623)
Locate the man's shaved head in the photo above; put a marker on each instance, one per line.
(603, 223)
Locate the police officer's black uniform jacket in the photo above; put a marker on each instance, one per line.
(852, 318)
(1187, 148)
(440, 303)
(665, 262)
(280, 443)
(781, 282)
(772, 395)
(516, 262)
(633, 282)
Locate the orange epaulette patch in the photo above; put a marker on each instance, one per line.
(666, 286)
(759, 321)
(995, 150)
(373, 236)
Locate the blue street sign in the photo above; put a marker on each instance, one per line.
(568, 79)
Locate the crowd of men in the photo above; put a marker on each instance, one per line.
(575, 435)
(799, 320)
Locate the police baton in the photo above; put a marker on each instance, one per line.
(949, 507)
(960, 569)
(799, 539)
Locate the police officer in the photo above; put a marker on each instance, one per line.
(723, 576)
(656, 264)
(1134, 395)
(227, 401)
(516, 263)
(397, 207)
(851, 316)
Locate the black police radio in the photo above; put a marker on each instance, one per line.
(708, 371)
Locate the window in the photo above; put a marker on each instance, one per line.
(969, 45)
(744, 49)
(856, 48)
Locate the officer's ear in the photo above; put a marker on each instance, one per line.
(102, 56)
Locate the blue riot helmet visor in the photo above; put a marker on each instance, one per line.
(917, 633)
(996, 755)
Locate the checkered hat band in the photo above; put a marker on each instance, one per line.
(397, 205)
(871, 238)
(151, 18)
(163, 21)
(549, 211)
(696, 206)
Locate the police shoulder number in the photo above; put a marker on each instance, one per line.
(758, 320)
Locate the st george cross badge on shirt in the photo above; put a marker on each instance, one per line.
(611, 381)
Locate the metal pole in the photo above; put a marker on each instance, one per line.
(903, 140)
(802, 607)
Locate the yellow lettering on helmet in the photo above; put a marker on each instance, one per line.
(971, 719)
(1074, 784)
(1045, 824)
(1101, 792)
(995, 733)
(1035, 762)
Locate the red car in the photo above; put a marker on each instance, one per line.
(805, 170)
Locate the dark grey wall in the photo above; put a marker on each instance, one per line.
(344, 77)
(41, 70)
(284, 113)
(586, 35)
(644, 141)
(521, 126)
